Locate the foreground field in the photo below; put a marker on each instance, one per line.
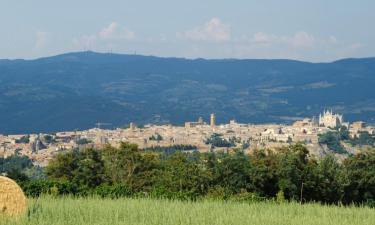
(93, 211)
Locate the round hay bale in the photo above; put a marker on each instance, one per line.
(12, 198)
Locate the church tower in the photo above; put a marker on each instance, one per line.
(212, 120)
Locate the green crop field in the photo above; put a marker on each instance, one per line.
(92, 211)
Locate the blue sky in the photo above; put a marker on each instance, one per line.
(295, 29)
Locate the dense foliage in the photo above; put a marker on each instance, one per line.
(49, 139)
(171, 149)
(333, 141)
(23, 140)
(14, 162)
(20, 168)
(83, 141)
(289, 173)
(217, 140)
(364, 138)
(334, 138)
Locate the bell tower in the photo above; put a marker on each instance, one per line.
(212, 120)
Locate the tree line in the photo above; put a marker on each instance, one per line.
(288, 173)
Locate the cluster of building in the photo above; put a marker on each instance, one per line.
(42, 147)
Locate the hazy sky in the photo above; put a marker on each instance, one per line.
(314, 30)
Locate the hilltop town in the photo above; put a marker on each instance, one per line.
(198, 135)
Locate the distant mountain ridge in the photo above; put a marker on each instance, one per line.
(76, 90)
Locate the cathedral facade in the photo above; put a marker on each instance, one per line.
(330, 119)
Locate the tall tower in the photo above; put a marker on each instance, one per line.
(132, 126)
(212, 120)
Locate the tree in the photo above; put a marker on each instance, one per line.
(360, 169)
(63, 166)
(343, 133)
(49, 139)
(364, 139)
(217, 141)
(128, 165)
(171, 149)
(233, 172)
(332, 140)
(330, 181)
(156, 137)
(264, 173)
(90, 169)
(291, 165)
(83, 168)
(83, 141)
(17, 175)
(15, 162)
(24, 139)
(183, 177)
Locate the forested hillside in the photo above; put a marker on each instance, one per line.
(76, 90)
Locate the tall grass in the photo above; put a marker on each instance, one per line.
(95, 211)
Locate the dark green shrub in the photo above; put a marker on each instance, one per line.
(112, 191)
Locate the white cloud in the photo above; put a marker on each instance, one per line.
(213, 30)
(106, 37)
(261, 37)
(115, 32)
(299, 45)
(355, 46)
(302, 40)
(85, 41)
(42, 39)
(350, 50)
(202, 41)
(332, 39)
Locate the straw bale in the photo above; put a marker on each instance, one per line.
(12, 199)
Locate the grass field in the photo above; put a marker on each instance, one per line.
(95, 211)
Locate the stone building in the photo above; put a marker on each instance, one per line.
(330, 119)
(200, 122)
